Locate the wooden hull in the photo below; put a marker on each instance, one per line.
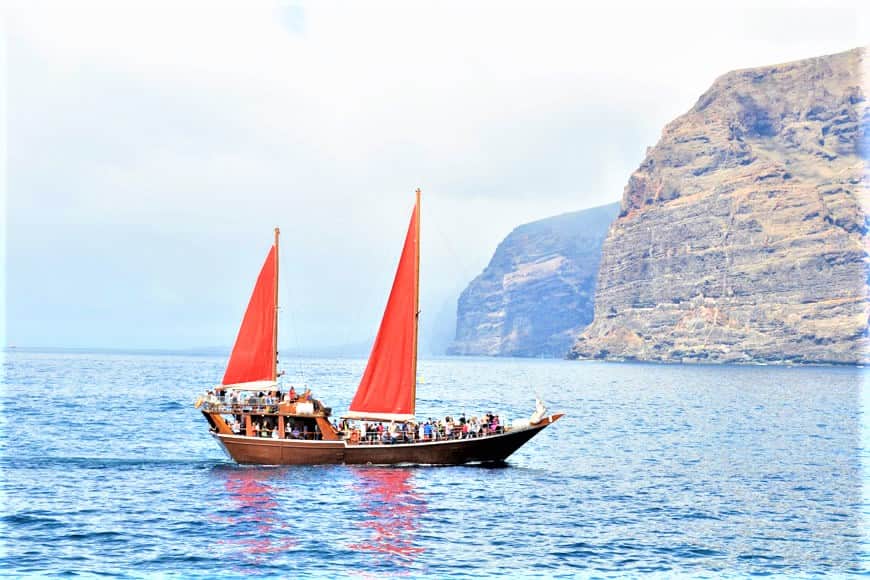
(494, 448)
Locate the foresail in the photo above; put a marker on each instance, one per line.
(388, 385)
(253, 357)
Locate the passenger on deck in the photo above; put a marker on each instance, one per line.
(291, 394)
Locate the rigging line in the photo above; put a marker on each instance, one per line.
(291, 325)
(454, 254)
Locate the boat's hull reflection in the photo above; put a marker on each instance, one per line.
(257, 531)
(393, 507)
(268, 515)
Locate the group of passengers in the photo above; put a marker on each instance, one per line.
(269, 399)
(268, 427)
(430, 430)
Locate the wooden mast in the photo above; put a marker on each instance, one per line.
(275, 327)
(416, 298)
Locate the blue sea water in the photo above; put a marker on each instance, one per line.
(702, 471)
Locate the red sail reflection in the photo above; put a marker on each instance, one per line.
(394, 510)
(257, 532)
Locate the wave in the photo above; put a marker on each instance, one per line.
(105, 462)
(29, 519)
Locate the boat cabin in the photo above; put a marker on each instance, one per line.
(268, 416)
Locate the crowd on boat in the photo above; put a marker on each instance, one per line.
(448, 428)
(376, 432)
(263, 401)
(266, 425)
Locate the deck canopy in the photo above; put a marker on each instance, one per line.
(252, 386)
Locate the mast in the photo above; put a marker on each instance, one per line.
(275, 322)
(416, 299)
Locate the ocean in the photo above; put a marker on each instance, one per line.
(106, 468)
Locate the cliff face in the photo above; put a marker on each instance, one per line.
(537, 292)
(743, 236)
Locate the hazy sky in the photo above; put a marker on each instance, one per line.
(151, 147)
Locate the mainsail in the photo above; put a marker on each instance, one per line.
(388, 387)
(253, 362)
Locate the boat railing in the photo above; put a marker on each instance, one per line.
(309, 436)
(377, 441)
(373, 438)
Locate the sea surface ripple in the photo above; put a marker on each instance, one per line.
(107, 469)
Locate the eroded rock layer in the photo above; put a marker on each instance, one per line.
(537, 292)
(743, 235)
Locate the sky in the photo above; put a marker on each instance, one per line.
(149, 148)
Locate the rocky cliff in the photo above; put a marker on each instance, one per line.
(743, 235)
(536, 293)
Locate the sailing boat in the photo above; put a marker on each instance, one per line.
(256, 424)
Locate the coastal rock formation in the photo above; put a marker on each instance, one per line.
(743, 235)
(537, 292)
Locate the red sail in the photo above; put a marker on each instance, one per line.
(387, 389)
(253, 357)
